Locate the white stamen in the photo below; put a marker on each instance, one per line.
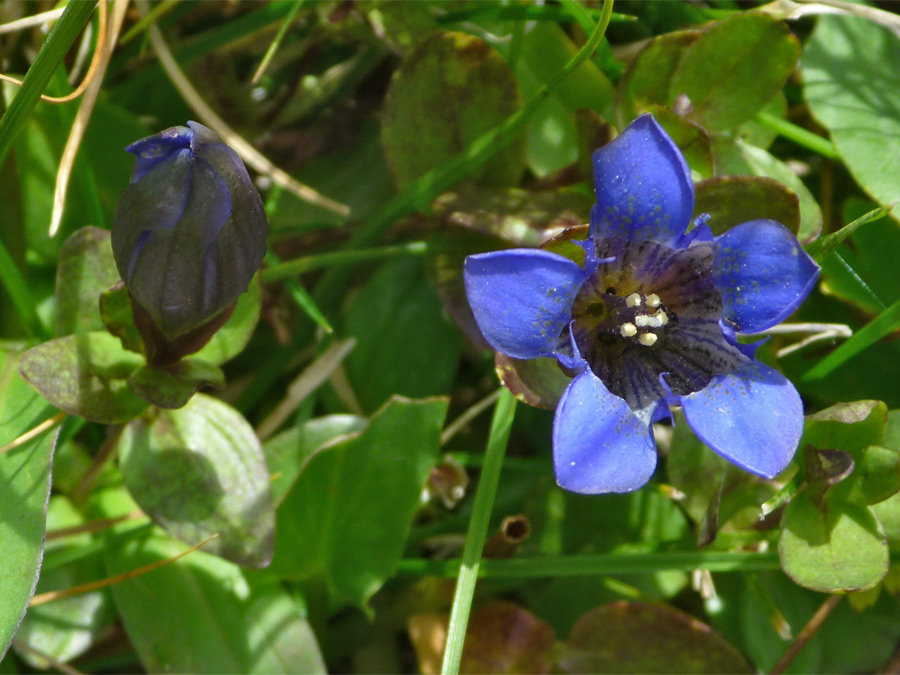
(633, 300)
(647, 339)
(628, 330)
(653, 301)
(662, 316)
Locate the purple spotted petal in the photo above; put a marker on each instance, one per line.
(643, 185)
(753, 417)
(762, 273)
(522, 299)
(599, 443)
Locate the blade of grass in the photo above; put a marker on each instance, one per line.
(18, 291)
(881, 326)
(822, 246)
(478, 526)
(38, 76)
(307, 263)
(276, 43)
(597, 565)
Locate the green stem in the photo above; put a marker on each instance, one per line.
(481, 514)
(39, 73)
(596, 565)
(799, 135)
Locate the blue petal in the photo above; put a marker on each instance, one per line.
(599, 443)
(522, 299)
(762, 273)
(153, 149)
(753, 417)
(643, 186)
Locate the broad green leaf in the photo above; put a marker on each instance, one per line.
(691, 139)
(646, 82)
(448, 91)
(552, 137)
(846, 426)
(231, 338)
(172, 386)
(694, 469)
(287, 452)
(86, 269)
(852, 85)
(404, 343)
(85, 374)
(347, 515)
(734, 69)
(736, 158)
(199, 471)
(632, 637)
(732, 200)
(838, 548)
(875, 477)
(65, 628)
(24, 491)
(200, 615)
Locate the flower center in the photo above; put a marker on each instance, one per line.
(649, 311)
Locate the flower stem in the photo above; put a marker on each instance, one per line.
(481, 513)
(799, 135)
(349, 257)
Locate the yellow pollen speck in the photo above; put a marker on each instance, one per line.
(653, 301)
(633, 300)
(627, 330)
(647, 339)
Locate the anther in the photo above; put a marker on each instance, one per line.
(633, 300)
(628, 330)
(647, 339)
(653, 301)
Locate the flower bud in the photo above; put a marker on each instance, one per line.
(189, 231)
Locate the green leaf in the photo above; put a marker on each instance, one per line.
(115, 312)
(86, 269)
(404, 343)
(691, 139)
(24, 491)
(447, 92)
(198, 471)
(199, 614)
(172, 386)
(734, 69)
(552, 137)
(846, 426)
(876, 476)
(230, 339)
(736, 158)
(347, 515)
(288, 451)
(732, 200)
(67, 627)
(852, 86)
(633, 637)
(839, 548)
(85, 374)
(646, 82)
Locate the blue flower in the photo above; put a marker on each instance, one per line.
(189, 232)
(649, 322)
